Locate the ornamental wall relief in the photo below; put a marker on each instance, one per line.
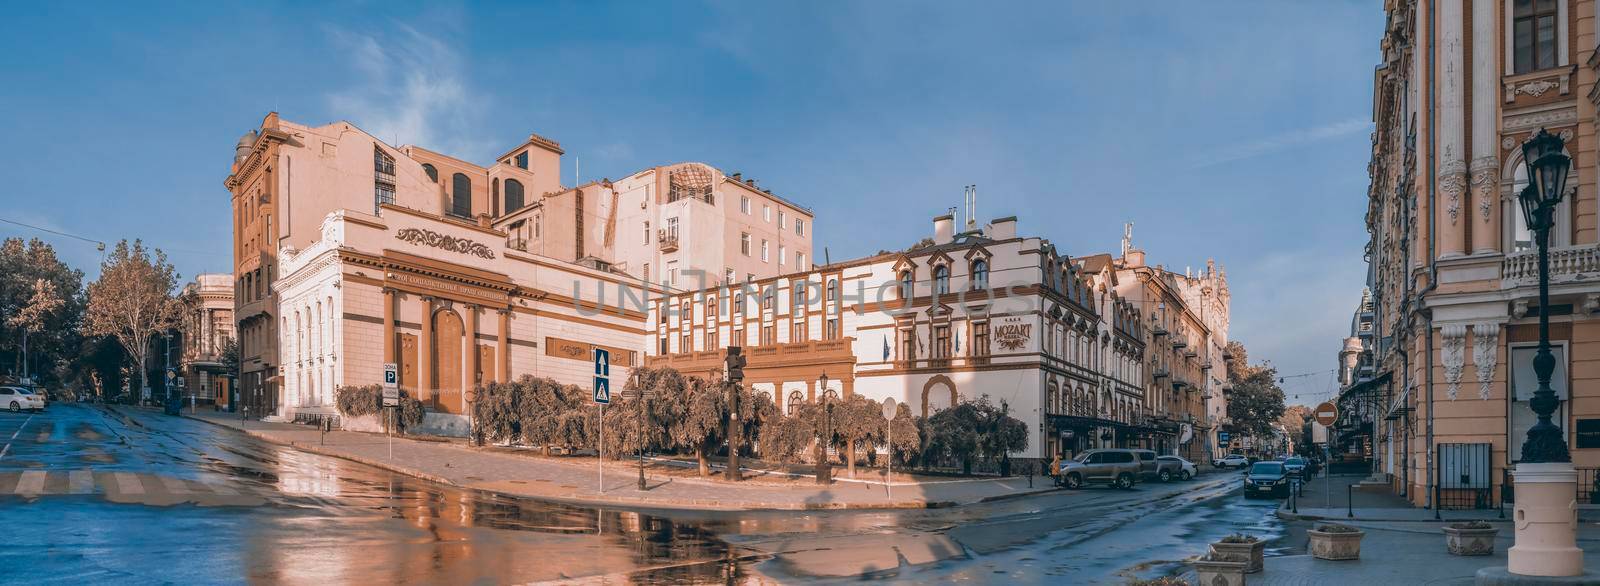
(422, 236)
(1453, 353)
(1485, 346)
(1484, 171)
(1453, 182)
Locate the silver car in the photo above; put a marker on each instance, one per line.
(1119, 468)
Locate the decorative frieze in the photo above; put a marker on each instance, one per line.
(1485, 353)
(1453, 353)
(1452, 183)
(425, 237)
(1484, 183)
(1534, 120)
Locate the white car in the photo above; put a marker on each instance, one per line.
(15, 399)
(1186, 469)
(1231, 461)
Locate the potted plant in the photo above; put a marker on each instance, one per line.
(1470, 538)
(1331, 541)
(1246, 546)
(1221, 569)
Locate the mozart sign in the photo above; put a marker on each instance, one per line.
(1013, 334)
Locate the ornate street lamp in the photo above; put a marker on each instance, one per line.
(1546, 535)
(824, 469)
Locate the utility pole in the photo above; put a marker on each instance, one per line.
(734, 365)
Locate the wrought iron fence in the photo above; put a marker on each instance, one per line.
(1588, 487)
(1465, 477)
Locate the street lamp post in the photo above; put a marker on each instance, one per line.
(824, 469)
(1546, 537)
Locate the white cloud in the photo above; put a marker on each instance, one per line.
(1283, 141)
(410, 89)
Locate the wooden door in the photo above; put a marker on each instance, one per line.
(447, 356)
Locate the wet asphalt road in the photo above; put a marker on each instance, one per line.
(94, 495)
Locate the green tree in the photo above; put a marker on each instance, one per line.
(858, 423)
(133, 301)
(1256, 401)
(906, 435)
(58, 340)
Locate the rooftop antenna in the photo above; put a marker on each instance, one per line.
(1127, 238)
(972, 207)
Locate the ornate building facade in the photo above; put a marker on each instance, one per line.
(1462, 83)
(207, 327)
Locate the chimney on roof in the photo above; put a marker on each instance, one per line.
(1133, 258)
(767, 191)
(944, 229)
(1002, 228)
(737, 176)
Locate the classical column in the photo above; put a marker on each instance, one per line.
(502, 362)
(425, 389)
(1452, 171)
(388, 326)
(469, 371)
(1485, 168)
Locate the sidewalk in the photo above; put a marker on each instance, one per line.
(575, 480)
(1331, 498)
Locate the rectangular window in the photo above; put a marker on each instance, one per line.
(797, 332)
(744, 243)
(830, 329)
(764, 250)
(980, 338)
(782, 219)
(766, 213)
(672, 229)
(1533, 26)
(800, 261)
(727, 276)
(768, 336)
(941, 341)
(646, 234)
(908, 345)
(522, 159)
(711, 340)
(799, 227)
(686, 342)
(737, 339)
(783, 253)
(664, 350)
(383, 193)
(744, 204)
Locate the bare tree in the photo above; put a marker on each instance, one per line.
(132, 301)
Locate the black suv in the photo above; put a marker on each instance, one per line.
(1266, 478)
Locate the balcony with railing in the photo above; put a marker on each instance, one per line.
(1568, 264)
(667, 240)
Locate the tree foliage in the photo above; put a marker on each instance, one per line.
(975, 431)
(133, 300)
(55, 339)
(1256, 401)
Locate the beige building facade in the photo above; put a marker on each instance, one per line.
(1454, 281)
(207, 327)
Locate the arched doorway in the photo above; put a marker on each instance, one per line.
(935, 398)
(446, 357)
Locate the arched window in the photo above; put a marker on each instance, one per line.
(833, 290)
(906, 284)
(941, 280)
(433, 172)
(461, 195)
(980, 274)
(513, 195)
(795, 399)
(1521, 238)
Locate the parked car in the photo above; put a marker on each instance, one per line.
(1231, 461)
(1294, 465)
(1119, 468)
(1186, 469)
(1266, 478)
(17, 398)
(1151, 467)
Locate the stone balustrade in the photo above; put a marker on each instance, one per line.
(1567, 264)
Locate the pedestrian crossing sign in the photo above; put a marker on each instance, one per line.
(602, 390)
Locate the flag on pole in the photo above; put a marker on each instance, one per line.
(958, 342)
(885, 348)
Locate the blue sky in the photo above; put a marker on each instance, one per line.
(1234, 131)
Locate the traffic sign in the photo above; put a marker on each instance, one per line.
(602, 390)
(602, 362)
(391, 384)
(1326, 414)
(889, 408)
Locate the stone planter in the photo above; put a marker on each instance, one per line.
(1220, 572)
(1246, 551)
(1335, 546)
(1470, 541)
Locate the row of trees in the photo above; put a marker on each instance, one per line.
(661, 410)
(63, 334)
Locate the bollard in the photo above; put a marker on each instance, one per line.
(1350, 507)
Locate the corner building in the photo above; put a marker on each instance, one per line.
(1454, 280)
